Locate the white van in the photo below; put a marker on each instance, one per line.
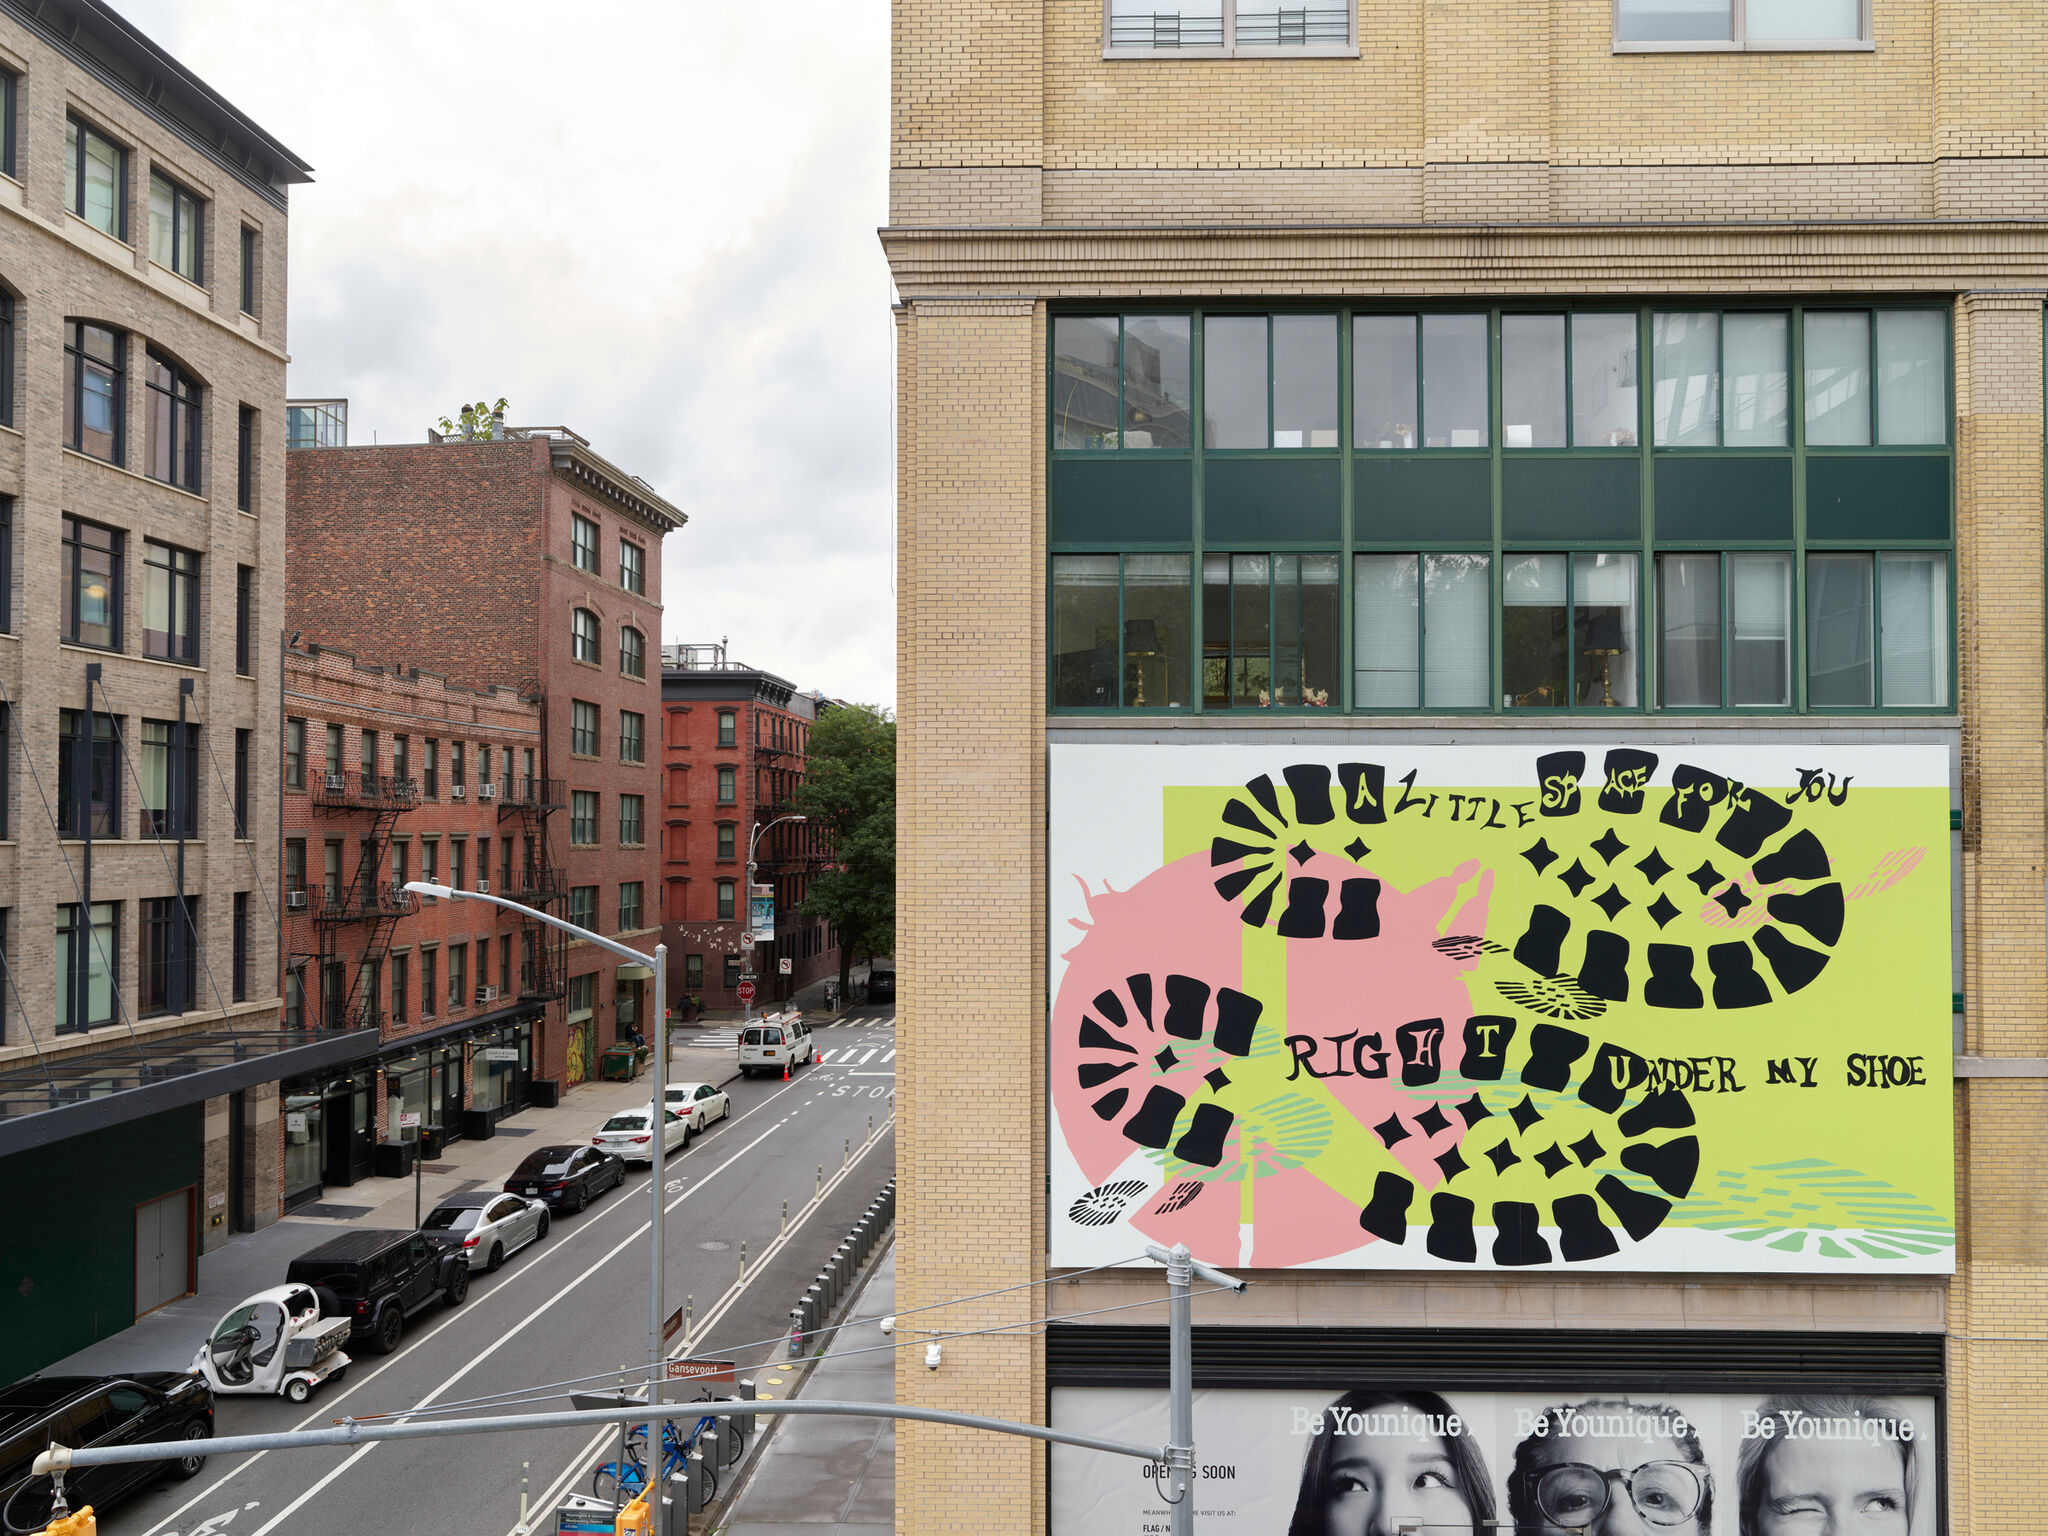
(774, 1041)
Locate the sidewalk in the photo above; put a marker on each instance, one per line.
(253, 1261)
(832, 1476)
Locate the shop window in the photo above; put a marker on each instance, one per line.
(1568, 631)
(1421, 633)
(1141, 598)
(1269, 631)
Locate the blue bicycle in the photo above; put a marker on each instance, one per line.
(618, 1481)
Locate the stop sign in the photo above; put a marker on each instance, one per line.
(746, 991)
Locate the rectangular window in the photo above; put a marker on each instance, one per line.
(294, 1000)
(170, 602)
(366, 743)
(726, 900)
(457, 774)
(10, 102)
(632, 737)
(92, 585)
(632, 567)
(245, 619)
(728, 840)
(728, 728)
(430, 768)
(294, 754)
(429, 969)
(334, 751)
(1270, 381)
(1269, 631)
(632, 652)
(629, 905)
(171, 446)
(483, 967)
(1898, 398)
(6, 555)
(1249, 28)
(98, 170)
(1142, 598)
(401, 986)
(1877, 630)
(458, 976)
(458, 860)
(505, 965)
(583, 817)
(1564, 649)
(1122, 384)
(239, 976)
(86, 961)
(245, 459)
(1704, 25)
(1754, 668)
(295, 864)
(1423, 382)
(582, 729)
(430, 860)
(583, 538)
(95, 394)
(169, 952)
(176, 223)
(735, 971)
(88, 776)
(632, 828)
(583, 906)
(728, 786)
(249, 249)
(244, 742)
(693, 974)
(1421, 631)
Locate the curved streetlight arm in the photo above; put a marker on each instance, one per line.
(753, 839)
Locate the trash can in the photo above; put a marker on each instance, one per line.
(432, 1139)
(477, 1125)
(620, 1063)
(394, 1159)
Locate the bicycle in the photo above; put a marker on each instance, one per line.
(618, 1481)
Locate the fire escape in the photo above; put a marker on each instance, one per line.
(537, 881)
(367, 908)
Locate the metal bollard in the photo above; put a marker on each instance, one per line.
(747, 1394)
(743, 1261)
(845, 1151)
(785, 1218)
(818, 1194)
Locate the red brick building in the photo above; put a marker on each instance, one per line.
(733, 754)
(533, 563)
(393, 776)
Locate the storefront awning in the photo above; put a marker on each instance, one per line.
(42, 1103)
(636, 973)
(462, 1029)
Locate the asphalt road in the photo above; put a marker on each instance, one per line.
(573, 1305)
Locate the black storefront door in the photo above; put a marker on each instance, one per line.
(350, 1139)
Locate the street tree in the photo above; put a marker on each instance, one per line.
(478, 423)
(849, 790)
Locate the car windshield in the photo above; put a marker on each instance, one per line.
(633, 1122)
(554, 1160)
(453, 1218)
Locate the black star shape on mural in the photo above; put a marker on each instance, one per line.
(1611, 901)
(1540, 856)
(1662, 910)
(1217, 1079)
(1576, 877)
(1706, 877)
(1610, 847)
(1302, 852)
(1732, 900)
(1552, 1161)
(1653, 866)
(1391, 1130)
(1503, 1157)
(1166, 1061)
(1433, 1121)
(1473, 1110)
(1451, 1163)
(1526, 1114)
(1587, 1150)
(1357, 849)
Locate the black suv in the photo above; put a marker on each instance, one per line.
(378, 1278)
(96, 1410)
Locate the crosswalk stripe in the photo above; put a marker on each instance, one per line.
(890, 1056)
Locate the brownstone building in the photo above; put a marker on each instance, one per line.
(530, 562)
(733, 753)
(391, 777)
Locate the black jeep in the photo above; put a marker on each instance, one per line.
(378, 1278)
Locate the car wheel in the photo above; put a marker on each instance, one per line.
(687, 1133)
(298, 1389)
(458, 1287)
(496, 1261)
(541, 1231)
(582, 1198)
(189, 1464)
(391, 1326)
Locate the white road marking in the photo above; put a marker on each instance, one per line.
(889, 1055)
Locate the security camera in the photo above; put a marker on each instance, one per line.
(931, 1357)
(888, 1325)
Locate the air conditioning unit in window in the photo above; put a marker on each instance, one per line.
(483, 887)
(486, 994)
(337, 783)
(487, 791)
(295, 901)
(457, 792)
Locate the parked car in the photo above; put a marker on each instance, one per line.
(276, 1341)
(171, 1406)
(378, 1277)
(629, 1134)
(568, 1178)
(882, 984)
(699, 1103)
(487, 1225)
(776, 1042)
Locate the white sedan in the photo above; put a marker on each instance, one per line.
(699, 1103)
(488, 1224)
(628, 1134)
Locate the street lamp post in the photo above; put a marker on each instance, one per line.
(658, 1141)
(754, 837)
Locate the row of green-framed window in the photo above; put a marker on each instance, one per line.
(1718, 378)
(1562, 630)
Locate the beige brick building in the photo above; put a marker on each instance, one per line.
(142, 365)
(1513, 377)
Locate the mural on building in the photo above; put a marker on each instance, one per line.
(1493, 1007)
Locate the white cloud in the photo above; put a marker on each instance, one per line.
(652, 223)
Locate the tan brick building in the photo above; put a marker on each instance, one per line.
(142, 362)
(1491, 378)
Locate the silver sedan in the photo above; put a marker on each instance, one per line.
(488, 1225)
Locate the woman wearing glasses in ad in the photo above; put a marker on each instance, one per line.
(1611, 1467)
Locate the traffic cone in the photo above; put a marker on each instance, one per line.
(785, 1066)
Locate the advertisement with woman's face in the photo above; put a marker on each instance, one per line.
(1373, 1462)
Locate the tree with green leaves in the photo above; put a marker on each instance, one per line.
(849, 789)
(478, 423)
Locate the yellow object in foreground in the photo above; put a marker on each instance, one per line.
(80, 1524)
(637, 1518)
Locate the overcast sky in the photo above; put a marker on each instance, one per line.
(650, 222)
